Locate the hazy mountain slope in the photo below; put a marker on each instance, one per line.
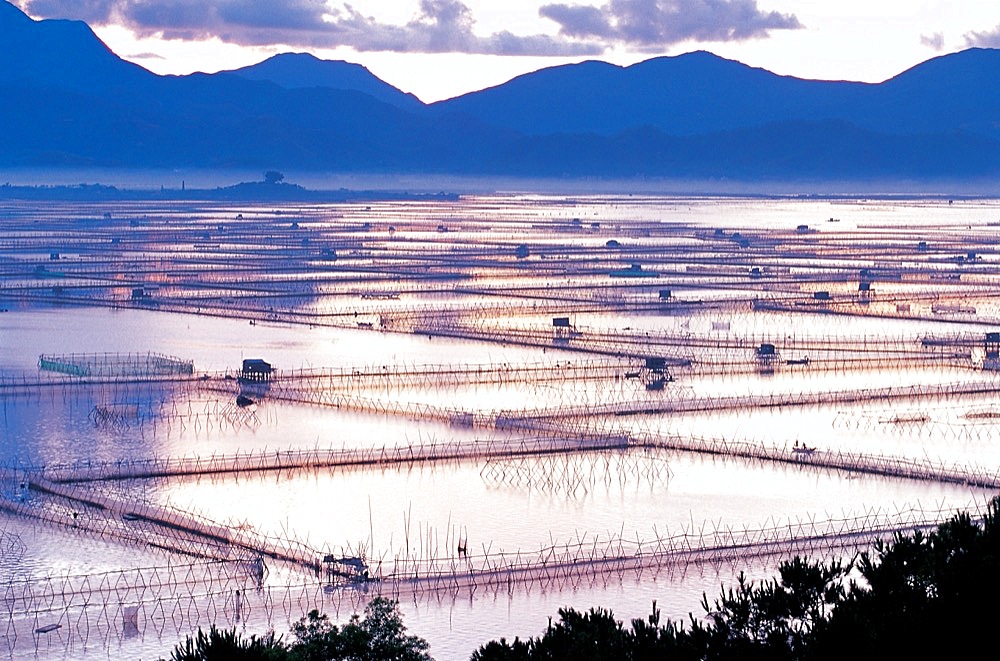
(699, 93)
(77, 102)
(689, 94)
(302, 70)
(60, 54)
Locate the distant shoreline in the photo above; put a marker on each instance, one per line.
(139, 186)
(242, 192)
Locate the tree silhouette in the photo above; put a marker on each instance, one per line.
(220, 645)
(379, 636)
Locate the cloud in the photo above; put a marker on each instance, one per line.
(935, 41)
(92, 11)
(143, 56)
(990, 39)
(652, 24)
(439, 26)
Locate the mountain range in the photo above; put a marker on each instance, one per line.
(70, 101)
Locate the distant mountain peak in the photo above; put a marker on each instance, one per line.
(304, 70)
(302, 59)
(977, 62)
(58, 53)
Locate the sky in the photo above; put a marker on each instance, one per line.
(438, 49)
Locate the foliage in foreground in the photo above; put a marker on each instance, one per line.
(379, 636)
(218, 645)
(921, 596)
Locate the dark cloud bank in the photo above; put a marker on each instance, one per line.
(439, 26)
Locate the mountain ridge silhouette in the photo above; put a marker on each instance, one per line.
(76, 103)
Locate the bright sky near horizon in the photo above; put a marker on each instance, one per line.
(442, 48)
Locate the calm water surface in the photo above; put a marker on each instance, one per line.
(499, 506)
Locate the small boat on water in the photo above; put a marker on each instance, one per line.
(243, 401)
(802, 448)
